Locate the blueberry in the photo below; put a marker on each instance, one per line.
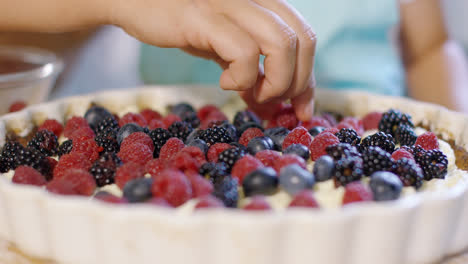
(181, 109)
(316, 130)
(262, 181)
(246, 116)
(298, 149)
(277, 134)
(196, 133)
(199, 143)
(323, 168)
(227, 191)
(95, 115)
(294, 179)
(385, 186)
(258, 144)
(246, 126)
(138, 190)
(126, 130)
(231, 130)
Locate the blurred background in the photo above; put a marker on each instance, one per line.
(107, 58)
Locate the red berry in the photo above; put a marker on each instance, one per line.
(127, 172)
(156, 123)
(209, 201)
(196, 153)
(244, 166)
(87, 147)
(289, 159)
(173, 186)
(172, 147)
(138, 138)
(356, 192)
(206, 110)
(73, 124)
(73, 160)
(28, 175)
(149, 115)
(133, 118)
(258, 203)
(52, 125)
(169, 119)
(427, 141)
(371, 120)
(158, 201)
(402, 153)
(155, 167)
(298, 135)
(184, 162)
(330, 118)
(215, 150)
(82, 133)
(305, 198)
(81, 181)
(316, 121)
(286, 117)
(250, 133)
(351, 122)
(200, 186)
(53, 163)
(332, 130)
(17, 106)
(137, 153)
(109, 198)
(61, 186)
(268, 157)
(320, 143)
(213, 118)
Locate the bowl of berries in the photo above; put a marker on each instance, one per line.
(148, 173)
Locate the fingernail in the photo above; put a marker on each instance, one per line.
(309, 109)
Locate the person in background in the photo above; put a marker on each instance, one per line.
(235, 33)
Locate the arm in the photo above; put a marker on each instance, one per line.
(435, 65)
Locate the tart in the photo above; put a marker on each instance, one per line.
(390, 230)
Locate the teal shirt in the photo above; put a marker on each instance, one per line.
(355, 49)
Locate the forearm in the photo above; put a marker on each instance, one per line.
(51, 15)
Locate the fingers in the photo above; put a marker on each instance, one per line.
(305, 47)
(303, 103)
(277, 41)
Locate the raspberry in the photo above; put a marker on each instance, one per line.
(81, 181)
(137, 152)
(73, 125)
(133, 118)
(82, 133)
(196, 153)
(268, 157)
(371, 120)
(158, 201)
(316, 121)
(356, 192)
(155, 167)
(244, 166)
(170, 148)
(173, 186)
(156, 123)
(53, 163)
(149, 115)
(428, 141)
(52, 125)
(353, 123)
(103, 170)
(206, 110)
(288, 121)
(332, 130)
(127, 172)
(200, 186)
(215, 150)
(28, 175)
(213, 118)
(304, 198)
(184, 162)
(73, 160)
(320, 143)
(61, 186)
(298, 135)
(88, 147)
(17, 106)
(249, 134)
(138, 138)
(109, 198)
(289, 159)
(45, 141)
(402, 153)
(258, 203)
(170, 119)
(209, 201)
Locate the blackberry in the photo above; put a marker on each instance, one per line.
(434, 164)
(392, 119)
(45, 141)
(180, 130)
(215, 172)
(34, 158)
(215, 135)
(379, 139)
(159, 137)
(405, 135)
(348, 135)
(226, 190)
(409, 172)
(347, 170)
(230, 156)
(108, 123)
(104, 168)
(8, 156)
(230, 129)
(108, 141)
(65, 148)
(246, 116)
(375, 159)
(342, 150)
(191, 118)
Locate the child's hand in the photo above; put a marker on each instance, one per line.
(234, 33)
